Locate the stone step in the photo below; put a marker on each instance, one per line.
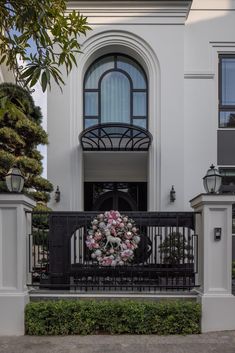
(36, 295)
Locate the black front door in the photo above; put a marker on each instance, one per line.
(115, 200)
(115, 196)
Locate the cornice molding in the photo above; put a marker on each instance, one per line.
(225, 44)
(199, 75)
(212, 5)
(137, 12)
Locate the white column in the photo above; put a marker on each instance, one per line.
(14, 227)
(215, 261)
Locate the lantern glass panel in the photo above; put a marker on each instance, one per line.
(14, 180)
(212, 181)
(209, 183)
(8, 182)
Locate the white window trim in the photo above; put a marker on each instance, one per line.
(101, 43)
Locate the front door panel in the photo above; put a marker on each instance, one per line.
(115, 196)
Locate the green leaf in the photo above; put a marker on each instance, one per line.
(3, 58)
(35, 76)
(28, 72)
(73, 59)
(44, 81)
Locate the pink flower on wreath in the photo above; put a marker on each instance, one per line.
(113, 232)
(107, 261)
(114, 215)
(90, 243)
(98, 237)
(129, 246)
(126, 254)
(124, 246)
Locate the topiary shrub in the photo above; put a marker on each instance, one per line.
(175, 249)
(20, 134)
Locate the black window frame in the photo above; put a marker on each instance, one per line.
(132, 90)
(228, 188)
(221, 107)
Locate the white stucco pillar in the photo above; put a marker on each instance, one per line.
(14, 227)
(215, 261)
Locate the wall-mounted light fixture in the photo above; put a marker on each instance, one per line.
(212, 180)
(14, 180)
(172, 194)
(57, 194)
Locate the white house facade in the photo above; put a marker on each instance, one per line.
(156, 67)
(149, 107)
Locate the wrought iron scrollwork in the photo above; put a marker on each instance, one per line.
(115, 137)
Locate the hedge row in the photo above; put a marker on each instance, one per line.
(114, 317)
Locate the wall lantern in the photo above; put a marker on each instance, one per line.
(212, 180)
(57, 194)
(172, 194)
(14, 180)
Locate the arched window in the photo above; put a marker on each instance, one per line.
(115, 91)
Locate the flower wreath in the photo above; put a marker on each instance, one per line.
(112, 239)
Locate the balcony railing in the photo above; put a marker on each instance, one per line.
(115, 137)
(166, 258)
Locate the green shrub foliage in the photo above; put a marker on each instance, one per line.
(20, 134)
(175, 249)
(114, 317)
(233, 269)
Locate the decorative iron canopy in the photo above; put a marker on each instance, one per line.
(115, 137)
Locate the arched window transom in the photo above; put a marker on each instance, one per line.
(115, 91)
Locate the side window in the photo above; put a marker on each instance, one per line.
(115, 91)
(227, 120)
(226, 91)
(228, 187)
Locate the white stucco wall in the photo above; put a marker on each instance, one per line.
(209, 31)
(179, 54)
(6, 75)
(1, 76)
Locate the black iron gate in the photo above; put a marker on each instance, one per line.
(166, 258)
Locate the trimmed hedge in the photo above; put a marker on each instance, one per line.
(70, 317)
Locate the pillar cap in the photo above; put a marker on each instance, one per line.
(17, 199)
(216, 199)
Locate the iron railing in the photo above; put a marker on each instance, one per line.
(166, 258)
(115, 137)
